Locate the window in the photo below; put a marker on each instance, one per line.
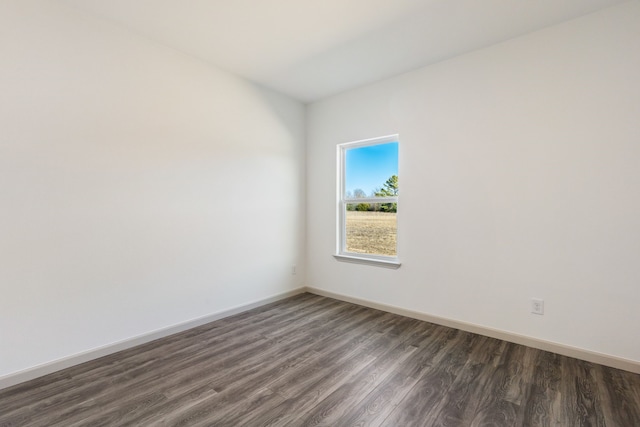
(368, 201)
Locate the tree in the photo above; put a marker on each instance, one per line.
(389, 189)
(358, 193)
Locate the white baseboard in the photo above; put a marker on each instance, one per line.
(76, 359)
(565, 350)
(85, 356)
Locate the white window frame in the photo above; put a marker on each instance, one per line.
(342, 201)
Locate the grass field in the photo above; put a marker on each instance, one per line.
(371, 233)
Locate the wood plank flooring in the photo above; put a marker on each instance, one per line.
(315, 361)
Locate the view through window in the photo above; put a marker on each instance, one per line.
(369, 198)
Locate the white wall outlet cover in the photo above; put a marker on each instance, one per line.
(537, 306)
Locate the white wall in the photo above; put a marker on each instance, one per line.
(139, 188)
(519, 177)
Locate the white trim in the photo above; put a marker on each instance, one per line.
(85, 356)
(563, 349)
(372, 200)
(369, 260)
(342, 201)
(66, 362)
(370, 141)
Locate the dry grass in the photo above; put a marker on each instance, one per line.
(371, 233)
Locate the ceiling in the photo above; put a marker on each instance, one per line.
(311, 49)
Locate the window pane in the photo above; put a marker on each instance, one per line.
(369, 169)
(368, 232)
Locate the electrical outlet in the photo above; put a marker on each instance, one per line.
(537, 306)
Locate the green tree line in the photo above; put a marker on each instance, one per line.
(388, 189)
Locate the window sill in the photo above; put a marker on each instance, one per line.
(355, 259)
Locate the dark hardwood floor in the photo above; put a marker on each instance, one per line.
(310, 360)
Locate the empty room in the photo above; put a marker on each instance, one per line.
(339, 213)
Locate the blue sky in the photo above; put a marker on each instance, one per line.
(367, 168)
